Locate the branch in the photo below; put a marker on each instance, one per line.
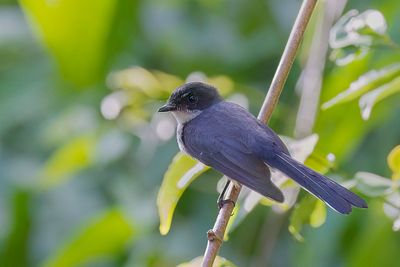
(216, 235)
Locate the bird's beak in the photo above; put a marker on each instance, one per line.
(167, 107)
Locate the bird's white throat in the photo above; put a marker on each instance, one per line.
(183, 117)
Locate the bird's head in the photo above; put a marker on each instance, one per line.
(188, 100)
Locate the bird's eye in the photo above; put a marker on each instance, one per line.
(192, 98)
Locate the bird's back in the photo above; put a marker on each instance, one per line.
(229, 120)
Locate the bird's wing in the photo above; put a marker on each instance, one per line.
(223, 145)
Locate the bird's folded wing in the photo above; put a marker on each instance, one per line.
(232, 158)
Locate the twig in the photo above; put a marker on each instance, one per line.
(216, 235)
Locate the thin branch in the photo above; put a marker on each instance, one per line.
(216, 235)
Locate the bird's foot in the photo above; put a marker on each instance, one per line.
(212, 236)
(222, 202)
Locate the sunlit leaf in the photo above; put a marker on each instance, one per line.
(373, 185)
(104, 237)
(318, 215)
(68, 160)
(76, 33)
(302, 213)
(368, 101)
(393, 160)
(168, 81)
(143, 80)
(224, 84)
(365, 83)
(319, 162)
(182, 171)
(219, 262)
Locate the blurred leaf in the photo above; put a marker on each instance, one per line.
(154, 85)
(105, 236)
(180, 174)
(318, 216)
(68, 160)
(76, 33)
(15, 248)
(224, 84)
(219, 262)
(308, 211)
(368, 100)
(393, 160)
(348, 54)
(344, 120)
(391, 207)
(353, 35)
(168, 81)
(367, 82)
(373, 185)
(319, 162)
(354, 29)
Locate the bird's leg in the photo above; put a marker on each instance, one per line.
(221, 201)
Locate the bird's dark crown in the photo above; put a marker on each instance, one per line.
(192, 96)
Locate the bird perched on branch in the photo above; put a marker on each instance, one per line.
(226, 137)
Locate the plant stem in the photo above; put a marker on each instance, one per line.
(216, 235)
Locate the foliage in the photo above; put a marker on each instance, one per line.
(60, 26)
(364, 31)
(111, 233)
(219, 262)
(309, 210)
(180, 174)
(83, 152)
(388, 189)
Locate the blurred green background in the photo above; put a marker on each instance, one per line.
(83, 152)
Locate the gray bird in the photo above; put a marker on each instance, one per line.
(226, 137)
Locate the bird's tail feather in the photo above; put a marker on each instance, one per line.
(332, 193)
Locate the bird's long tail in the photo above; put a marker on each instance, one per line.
(332, 193)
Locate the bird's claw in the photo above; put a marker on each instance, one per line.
(222, 202)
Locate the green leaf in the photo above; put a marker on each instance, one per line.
(393, 160)
(180, 174)
(219, 262)
(311, 211)
(15, 247)
(368, 100)
(373, 185)
(320, 162)
(318, 216)
(103, 237)
(152, 85)
(224, 84)
(76, 33)
(68, 160)
(367, 82)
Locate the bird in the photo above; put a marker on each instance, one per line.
(228, 138)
